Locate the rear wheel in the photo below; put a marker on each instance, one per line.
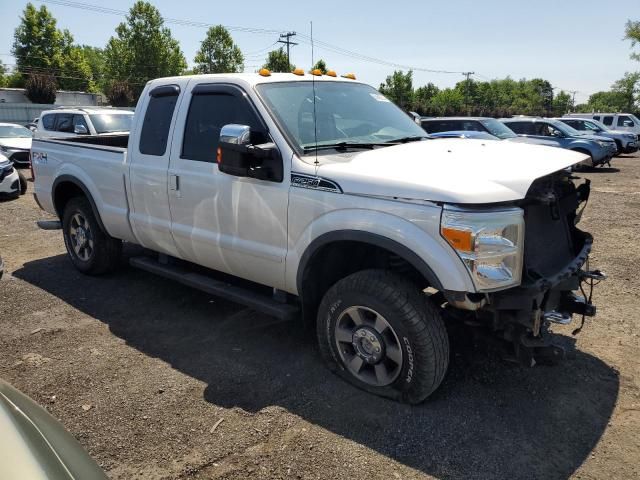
(379, 332)
(91, 250)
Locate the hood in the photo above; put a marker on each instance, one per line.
(621, 132)
(447, 170)
(19, 143)
(598, 138)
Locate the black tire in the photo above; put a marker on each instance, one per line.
(101, 253)
(620, 149)
(412, 321)
(23, 182)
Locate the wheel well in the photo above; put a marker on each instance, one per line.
(338, 259)
(582, 150)
(64, 192)
(65, 189)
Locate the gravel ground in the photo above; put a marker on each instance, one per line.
(158, 381)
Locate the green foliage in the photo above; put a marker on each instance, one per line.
(218, 53)
(120, 93)
(277, 61)
(141, 50)
(632, 32)
(41, 88)
(399, 89)
(41, 48)
(562, 103)
(320, 65)
(96, 62)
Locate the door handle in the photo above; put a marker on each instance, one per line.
(174, 182)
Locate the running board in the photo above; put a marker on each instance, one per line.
(253, 300)
(49, 224)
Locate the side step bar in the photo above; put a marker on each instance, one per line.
(251, 299)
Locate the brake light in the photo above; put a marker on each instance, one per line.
(219, 156)
(33, 174)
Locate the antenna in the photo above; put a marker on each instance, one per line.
(315, 123)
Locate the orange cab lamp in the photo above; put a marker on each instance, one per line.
(265, 72)
(317, 72)
(331, 73)
(350, 76)
(298, 71)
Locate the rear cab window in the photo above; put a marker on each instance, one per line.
(157, 120)
(48, 121)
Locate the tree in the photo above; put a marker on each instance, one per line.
(320, 65)
(606, 102)
(632, 32)
(142, 49)
(277, 61)
(41, 88)
(41, 48)
(218, 53)
(628, 88)
(120, 93)
(399, 89)
(423, 97)
(95, 59)
(562, 103)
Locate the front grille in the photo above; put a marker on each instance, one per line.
(552, 240)
(21, 158)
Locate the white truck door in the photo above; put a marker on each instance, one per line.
(149, 151)
(236, 225)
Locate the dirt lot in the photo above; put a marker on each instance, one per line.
(140, 370)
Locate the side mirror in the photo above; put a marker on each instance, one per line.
(80, 130)
(238, 157)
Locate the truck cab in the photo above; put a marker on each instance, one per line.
(317, 199)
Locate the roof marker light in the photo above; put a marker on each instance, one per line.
(298, 71)
(264, 72)
(317, 72)
(332, 73)
(350, 76)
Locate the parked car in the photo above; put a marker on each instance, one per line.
(324, 202)
(600, 150)
(69, 122)
(625, 142)
(488, 125)
(619, 121)
(33, 124)
(9, 179)
(35, 445)
(15, 143)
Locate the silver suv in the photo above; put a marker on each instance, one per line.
(67, 122)
(625, 141)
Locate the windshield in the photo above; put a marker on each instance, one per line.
(498, 129)
(14, 131)
(111, 122)
(564, 128)
(346, 113)
(595, 125)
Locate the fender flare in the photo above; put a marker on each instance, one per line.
(85, 190)
(372, 239)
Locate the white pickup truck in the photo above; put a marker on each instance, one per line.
(314, 197)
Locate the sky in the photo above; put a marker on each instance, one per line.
(575, 44)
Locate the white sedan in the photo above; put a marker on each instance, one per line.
(11, 185)
(15, 143)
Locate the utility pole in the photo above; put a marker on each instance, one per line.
(573, 99)
(287, 36)
(466, 91)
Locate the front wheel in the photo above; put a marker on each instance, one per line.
(380, 333)
(91, 250)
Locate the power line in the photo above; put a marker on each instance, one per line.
(303, 38)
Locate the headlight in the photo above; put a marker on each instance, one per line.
(490, 244)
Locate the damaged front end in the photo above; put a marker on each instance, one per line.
(555, 266)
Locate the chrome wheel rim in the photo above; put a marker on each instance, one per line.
(81, 237)
(368, 346)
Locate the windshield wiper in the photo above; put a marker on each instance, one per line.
(413, 138)
(342, 146)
